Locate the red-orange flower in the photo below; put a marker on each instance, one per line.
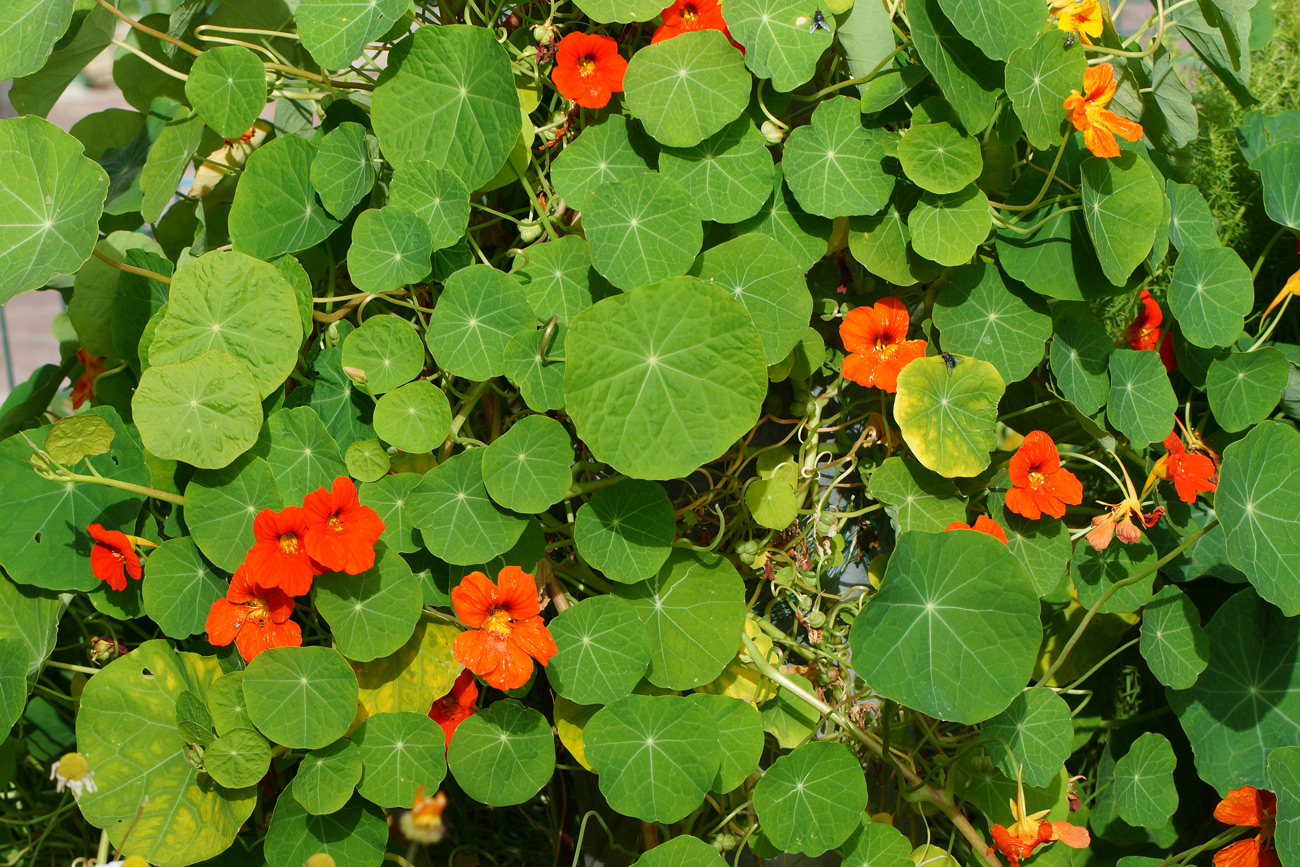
(1252, 808)
(588, 69)
(341, 533)
(685, 16)
(1029, 831)
(983, 524)
(84, 388)
(113, 557)
(279, 556)
(1191, 473)
(1039, 482)
(255, 618)
(1144, 332)
(876, 339)
(456, 706)
(506, 632)
(1088, 112)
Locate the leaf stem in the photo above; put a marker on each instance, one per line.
(131, 269)
(1051, 176)
(152, 493)
(144, 29)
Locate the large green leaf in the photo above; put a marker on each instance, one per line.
(387, 497)
(88, 34)
(623, 11)
(612, 150)
(939, 157)
(969, 80)
(386, 349)
(95, 289)
(948, 416)
(1032, 738)
(327, 777)
(778, 44)
(948, 229)
(998, 27)
(227, 87)
(355, 835)
(28, 30)
(882, 245)
(238, 758)
(438, 196)
(300, 451)
(1037, 76)
(1144, 781)
(481, 308)
(1244, 387)
(344, 409)
(374, 613)
(529, 468)
(728, 174)
(1173, 642)
(979, 315)
(1080, 353)
(342, 171)
(459, 522)
(877, 844)
(644, 368)
(335, 31)
(684, 851)
(687, 88)
(603, 650)
(301, 697)
(275, 209)
(954, 630)
(1279, 169)
(399, 752)
(693, 610)
(1142, 402)
(1210, 295)
(150, 799)
(1191, 223)
(558, 278)
(503, 754)
(740, 736)
(804, 235)
(415, 417)
(914, 497)
(390, 249)
(812, 799)
(221, 504)
(31, 616)
(422, 671)
(449, 98)
(1094, 572)
(181, 588)
(834, 165)
(51, 199)
(1123, 206)
(626, 530)
(641, 230)
(1284, 780)
(1257, 501)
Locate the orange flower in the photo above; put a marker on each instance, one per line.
(1088, 113)
(1029, 831)
(1144, 331)
(505, 627)
(1291, 287)
(84, 388)
(983, 524)
(1039, 483)
(588, 69)
(1253, 808)
(113, 556)
(1080, 17)
(876, 339)
(279, 556)
(456, 706)
(1190, 473)
(341, 533)
(255, 618)
(423, 822)
(686, 16)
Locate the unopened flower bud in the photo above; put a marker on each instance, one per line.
(357, 375)
(773, 133)
(529, 232)
(545, 32)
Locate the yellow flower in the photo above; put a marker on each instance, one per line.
(1084, 18)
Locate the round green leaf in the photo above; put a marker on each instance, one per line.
(220, 506)
(687, 88)
(693, 610)
(1080, 353)
(49, 206)
(947, 229)
(772, 502)
(457, 519)
(386, 349)
(275, 209)
(226, 703)
(1210, 295)
(529, 468)
(415, 417)
(1173, 642)
(237, 759)
(539, 376)
(301, 697)
(642, 365)
(342, 171)
(335, 31)
(765, 277)
(1257, 501)
(626, 530)
(205, 411)
(812, 799)
(740, 737)
(979, 315)
(503, 754)
(954, 630)
(227, 87)
(877, 844)
(479, 311)
(728, 174)
(28, 31)
(940, 158)
(300, 451)
(882, 245)
(327, 777)
(997, 27)
(367, 460)
(399, 752)
(558, 278)
(387, 497)
(948, 416)
(1095, 571)
(1278, 168)
(13, 680)
(777, 42)
(181, 588)
(1123, 206)
(1037, 76)
(237, 304)
(657, 756)
(833, 165)
(1032, 738)
(1191, 224)
(1284, 777)
(438, 196)
(450, 99)
(374, 613)
(1142, 402)
(390, 248)
(127, 722)
(609, 151)
(355, 835)
(1043, 548)
(603, 650)
(32, 618)
(1244, 387)
(914, 497)
(642, 230)
(805, 235)
(73, 438)
(681, 852)
(1144, 782)
(422, 671)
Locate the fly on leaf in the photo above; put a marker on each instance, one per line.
(949, 360)
(818, 23)
(1070, 39)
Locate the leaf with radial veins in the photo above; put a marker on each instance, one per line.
(914, 497)
(275, 209)
(301, 453)
(558, 278)
(227, 87)
(28, 31)
(1173, 642)
(969, 80)
(805, 235)
(221, 505)
(1037, 76)
(1122, 206)
(438, 196)
(728, 174)
(374, 613)
(529, 468)
(777, 43)
(603, 650)
(1245, 387)
(622, 11)
(940, 158)
(812, 799)
(400, 752)
(681, 852)
(457, 519)
(480, 310)
(1142, 402)
(387, 349)
(979, 315)
(335, 31)
(342, 171)
(740, 736)
(1210, 294)
(948, 417)
(998, 27)
(626, 530)
(303, 697)
(356, 834)
(181, 588)
(327, 777)
(687, 88)
(642, 230)
(948, 229)
(877, 844)
(834, 165)
(390, 249)
(1284, 781)
(1080, 353)
(1144, 781)
(415, 417)
(1032, 737)
(612, 150)
(168, 159)
(503, 754)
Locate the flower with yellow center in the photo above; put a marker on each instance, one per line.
(73, 772)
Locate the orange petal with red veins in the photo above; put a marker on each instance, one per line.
(517, 593)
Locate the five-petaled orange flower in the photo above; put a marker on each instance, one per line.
(1191, 473)
(1080, 17)
(876, 339)
(506, 632)
(983, 524)
(1088, 113)
(686, 16)
(279, 556)
(1040, 484)
(113, 556)
(1252, 808)
(84, 388)
(588, 69)
(1144, 332)
(255, 618)
(456, 706)
(341, 533)
(1029, 831)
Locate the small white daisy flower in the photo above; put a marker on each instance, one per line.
(73, 772)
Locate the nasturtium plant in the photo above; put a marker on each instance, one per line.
(640, 434)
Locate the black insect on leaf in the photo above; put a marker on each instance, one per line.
(1069, 40)
(818, 23)
(950, 360)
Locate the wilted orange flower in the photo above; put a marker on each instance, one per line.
(505, 627)
(1291, 287)
(1144, 332)
(456, 706)
(1191, 473)
(876, 339)
(1039, 482)
(113, 556)
(423, 822)
(983, 524)
(255, 618)
(341, 533)
(1083, 18)
(279, 556)
(1088, 112)
(1029, 831)
(84, 388)
(1252, 808)
(588, 69)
